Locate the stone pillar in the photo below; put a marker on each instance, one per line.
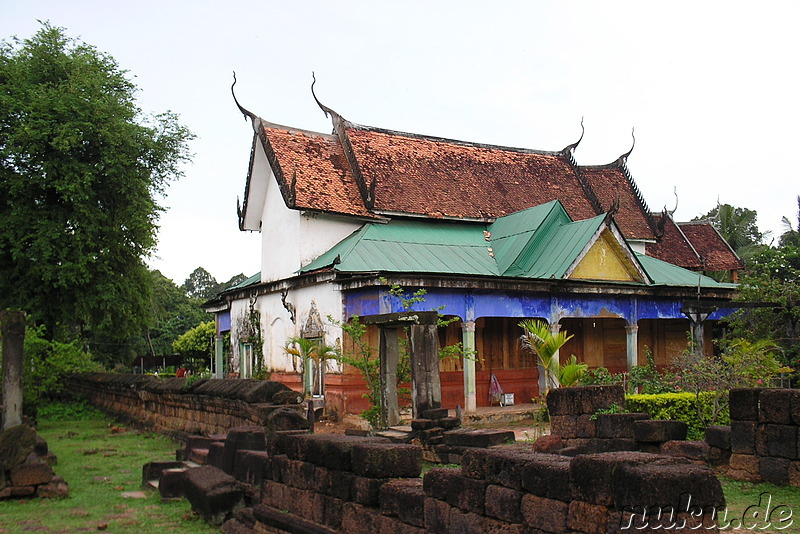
(468, 363)
(426, 387)
(389, 356)
(13, 328)
(697, 317)
(219, 355)
(698, 341)
(632, 345)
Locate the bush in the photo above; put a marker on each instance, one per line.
(648, 379)
(197, 342)
(47, 366)
(697, 411)
(600, 376)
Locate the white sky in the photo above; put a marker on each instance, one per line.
(711, 89)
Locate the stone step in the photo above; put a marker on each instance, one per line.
(396, 436)
(197, 456)
(153, 483)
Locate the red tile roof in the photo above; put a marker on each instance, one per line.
(436, 177)
(365, 172)
(674, 247)
(713, 249)
(613, 186)
(312, 170)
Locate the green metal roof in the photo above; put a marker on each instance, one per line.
(663, 273)
(412, 246)
(537, 243)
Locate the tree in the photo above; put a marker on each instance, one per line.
(201, 285)
(172, 313)
(197, 342)
(80, 170)
(792, 235)
(235, 280)
(772, 277)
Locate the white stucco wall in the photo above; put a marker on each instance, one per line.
(277, 326)
(638, 246)
(291, 239)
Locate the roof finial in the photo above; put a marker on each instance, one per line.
(325, 109)
(674, 192)
(633, 144)
(243, 110)
(573, 146)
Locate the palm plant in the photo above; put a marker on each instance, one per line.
(544, 343)
(571, 372)
(792, 234)
(307, 351)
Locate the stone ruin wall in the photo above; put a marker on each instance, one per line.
(765, 435)
(328, 483)
(207, 406)
(596, 475)
(762, 443)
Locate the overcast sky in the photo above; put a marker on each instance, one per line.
(711, 89)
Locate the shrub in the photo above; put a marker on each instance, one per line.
(648, 379)
(198, 342)
(47, 366)
(600, 376)
(696, 410)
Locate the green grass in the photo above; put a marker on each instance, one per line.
(100, 462)
(745, 499)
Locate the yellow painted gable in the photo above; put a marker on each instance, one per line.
(606, 260)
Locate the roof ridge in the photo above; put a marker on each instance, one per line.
(294, 129)
(686, 238)
(459, 142)
(623, 163)
(538, 234)
(340, 125)
(585, 185)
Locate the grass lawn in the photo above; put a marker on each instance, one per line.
(100, 462)
(761, 507)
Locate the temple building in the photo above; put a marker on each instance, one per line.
(494, 235)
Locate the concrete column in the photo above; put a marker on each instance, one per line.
(632, 345)
(426, 387)
(468, 363)
(13, 328)
(389, 356)
(219, 355)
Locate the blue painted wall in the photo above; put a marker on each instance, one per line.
(470, 305)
